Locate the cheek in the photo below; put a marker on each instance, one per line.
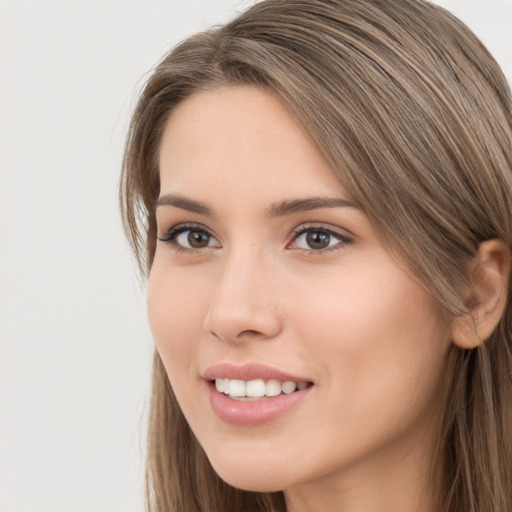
(375, 332)
(382, 352)
(175, 314)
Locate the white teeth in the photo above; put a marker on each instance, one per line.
(256, 388)
(273, 388)
(288, 387)
(253, 389)
(236, 387)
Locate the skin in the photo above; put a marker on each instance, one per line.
(348, 318)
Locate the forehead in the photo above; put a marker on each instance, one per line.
(241, 139)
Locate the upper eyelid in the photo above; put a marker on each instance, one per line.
(184, 226)
(302, 228)
(305, 226)
(171, 235)
(335, 230)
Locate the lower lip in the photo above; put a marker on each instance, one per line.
(253, 413)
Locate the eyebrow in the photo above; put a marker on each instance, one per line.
(281, 209)
(183, 203)
(304, 205)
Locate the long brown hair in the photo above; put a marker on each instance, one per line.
(415, 118)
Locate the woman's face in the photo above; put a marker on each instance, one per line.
(265, 270)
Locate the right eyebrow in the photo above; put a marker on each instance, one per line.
(183, 203)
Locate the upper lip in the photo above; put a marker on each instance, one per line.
(249, 371)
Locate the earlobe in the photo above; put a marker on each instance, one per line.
(490, 275)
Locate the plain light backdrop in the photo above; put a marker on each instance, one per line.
(75, 348)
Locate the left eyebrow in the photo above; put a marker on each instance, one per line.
(303, 205)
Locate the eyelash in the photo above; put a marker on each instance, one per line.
(343, 240)
(170, 238)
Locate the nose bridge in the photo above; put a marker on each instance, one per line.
(243, 305)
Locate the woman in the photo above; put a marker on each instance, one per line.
(320, 192)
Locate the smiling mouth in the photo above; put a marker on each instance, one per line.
(257, 389)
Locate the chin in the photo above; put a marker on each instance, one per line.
(250, 477)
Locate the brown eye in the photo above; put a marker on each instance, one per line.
(197, 239)
(318, 239)
(183, 238)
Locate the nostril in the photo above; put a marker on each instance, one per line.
(242, 320)
(249, 332)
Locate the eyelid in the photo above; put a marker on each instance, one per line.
(173, 232)
(344, 237)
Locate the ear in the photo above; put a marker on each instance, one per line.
(490, 272)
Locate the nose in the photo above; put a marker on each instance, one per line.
(244, 303)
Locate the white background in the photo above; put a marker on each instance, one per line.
(75, 348)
